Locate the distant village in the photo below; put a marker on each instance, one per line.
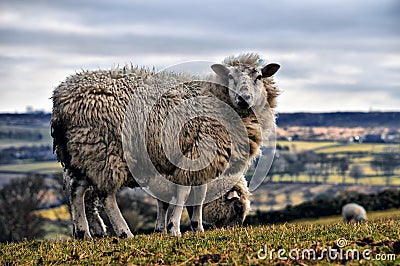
(340, 134)
(375, 127)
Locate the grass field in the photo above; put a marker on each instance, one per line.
(37, 167)
(354, 147)
(332, 147)
(45, 132)
(374, 243)
(60, 212)
(305, 145)
(340, 150)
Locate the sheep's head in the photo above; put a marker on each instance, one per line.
(245, 82)
(229, 210)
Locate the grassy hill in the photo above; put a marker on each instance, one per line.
(226, 246)
(284, 244)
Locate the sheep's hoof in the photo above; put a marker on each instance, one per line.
(126, 235)
(197, 227)
(175, 232)
(200, 229)
(160, 229)
(100, 235)
(82, 234)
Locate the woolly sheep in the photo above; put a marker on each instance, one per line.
(88, 111)
(229, 210)
(353, 211)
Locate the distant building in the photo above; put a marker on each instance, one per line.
(373, 138)
(356, 139)
(391, 136)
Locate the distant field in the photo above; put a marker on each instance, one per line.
(337, 179)
(60, 212)
(45, 132)
(339, 150)
(305, 145)
(333, 147)
(37, 167)
(355, 147)
(372, 216)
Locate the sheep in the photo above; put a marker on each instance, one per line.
(90, 110)
(229, 210)
(353, 211)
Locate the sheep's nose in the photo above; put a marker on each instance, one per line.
(243, 100)
(245, 97)
(238, 206)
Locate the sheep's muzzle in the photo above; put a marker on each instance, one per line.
(243, 101)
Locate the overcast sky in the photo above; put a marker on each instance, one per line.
(335, 55)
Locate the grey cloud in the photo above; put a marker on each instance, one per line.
(308, 38)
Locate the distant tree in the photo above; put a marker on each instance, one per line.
(295, 165)
(288, 197)
(312, 171)
(292, 165)
(278, 166)
(356, 172)
(271, 201)
(18, 201)
(342, 166)
(324, 163)
(387, 162)
(325, 177)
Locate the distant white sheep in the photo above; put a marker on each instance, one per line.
(353, 211)
(87, 128)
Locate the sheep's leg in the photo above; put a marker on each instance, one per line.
(76, 190)
(190, 211)
(162, 208)
(118, 222)
(96, 223)
(197, 218)
(175, 220)
(347, 219)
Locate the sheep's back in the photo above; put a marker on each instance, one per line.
(353, 211)
(88, 110)
(186, 133)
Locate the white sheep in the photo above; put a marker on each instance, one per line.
(353, 211)
(230, 209)
(87, 127)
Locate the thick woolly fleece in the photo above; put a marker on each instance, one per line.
(89, 109)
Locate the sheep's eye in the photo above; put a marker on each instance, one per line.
(230, 76)
(259, 77)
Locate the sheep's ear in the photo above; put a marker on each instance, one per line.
(233, 195)
(269, 70)
(220, 70)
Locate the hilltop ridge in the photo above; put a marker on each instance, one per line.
(340, 119)
(337, 119)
